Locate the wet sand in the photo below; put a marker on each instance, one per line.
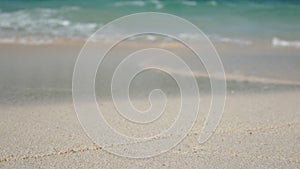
(260, 127)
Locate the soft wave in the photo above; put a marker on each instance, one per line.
(230, 40)
(27, 41)
(156, 3)
(110, 37)
(284, 43)
(213, 3)
(130, 3)
(189, 3)
(43, 22)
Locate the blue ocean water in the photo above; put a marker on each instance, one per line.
(242, 22)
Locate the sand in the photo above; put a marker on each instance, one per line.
(257, 131)
(260, 127)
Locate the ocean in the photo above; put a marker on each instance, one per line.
(241, 22)
(258, 41)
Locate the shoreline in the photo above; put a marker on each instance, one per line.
(259, 44)
(39, 126)
(37, 67)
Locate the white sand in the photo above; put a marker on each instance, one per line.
(257, 131)
(39, 128)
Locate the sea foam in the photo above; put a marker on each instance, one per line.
(276, 42)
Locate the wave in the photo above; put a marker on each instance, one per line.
(237, 41)
(213, 3)
(189, 3)
(43, 22)
(130, 3)
(27, 41)
(111, 37)
(47, 25)
(276, 42)
(156, 3)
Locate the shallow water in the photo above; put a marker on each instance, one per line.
(238, 22)
(258, 42)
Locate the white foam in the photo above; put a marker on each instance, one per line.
(27, 41)
(189, 3)
(131, 3)
(276, 42)
(151, 37)
(213, 3)
(8, 40)
(188, 36)
(231, 40)
(158, 4)
(42, 22)
(237, 41)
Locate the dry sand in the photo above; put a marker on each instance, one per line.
(257, 131)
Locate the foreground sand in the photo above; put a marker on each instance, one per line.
(39, 129)
(257, 131)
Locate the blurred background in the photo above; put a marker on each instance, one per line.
(241, 22)
(256, 39)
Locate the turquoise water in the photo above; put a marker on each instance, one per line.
(228, 21)
(259, 39)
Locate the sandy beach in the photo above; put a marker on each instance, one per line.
(166, 69)
(258, 130)
(39, 128)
